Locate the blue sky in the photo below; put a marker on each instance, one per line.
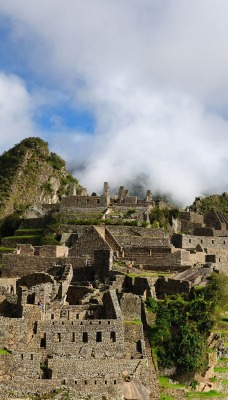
(121, 89)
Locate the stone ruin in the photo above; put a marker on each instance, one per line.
(70, 320)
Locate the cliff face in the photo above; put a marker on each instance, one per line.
(30, 173)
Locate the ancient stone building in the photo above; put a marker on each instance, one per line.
(63, 336)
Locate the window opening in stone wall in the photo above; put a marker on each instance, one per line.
(62, 322)
(190, 240)
(201, 241)
(73, 337)
(59, 337)
(85, 337)
(43, 341)
(105, 382)
(224, 242)
(68, 314)
(31, 356)
(212, 241)
(108, 322)
(75, 382)
(85, 382)
(95, 382)
(98, 336)
(63, 381)
(114, 382)
(113, 336)
(35, 328)
(98, 201)
(77, 316)
(52, 316)
(31, 298)
(22, 356)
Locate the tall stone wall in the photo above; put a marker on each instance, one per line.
(103, 261)
(83, 339)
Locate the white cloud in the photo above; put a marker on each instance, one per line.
(15, 111)
(153, 72)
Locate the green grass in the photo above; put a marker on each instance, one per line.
(224, 381)
(4, 249)
(221, 369)
(166, 397)
(223, 359)
(205, 395)
(147, 274)
(30, 230)
(22, 237)
(4, 352)
(164, 382)
(133, 322)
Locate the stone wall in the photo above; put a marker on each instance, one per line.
(190, 242)
(103, 262)
(166, 286)
(130, 305)
(191, 217)
(72, 203)
(20, 265)
(89, 241)
(83, 338)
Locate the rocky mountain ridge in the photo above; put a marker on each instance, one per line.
(30, 174)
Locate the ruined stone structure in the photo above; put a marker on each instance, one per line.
(61, 336)
(71, 319)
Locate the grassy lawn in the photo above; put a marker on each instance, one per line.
(164, 382)
(133, 322)
(221, 369)
(22, 237)
(4, 352)
(166, 397)
(205, 395)
(35, 230)
(147, 274)
(5, 249)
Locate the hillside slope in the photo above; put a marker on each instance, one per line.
(30, 173)
(216, 202)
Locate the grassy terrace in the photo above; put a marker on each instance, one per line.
(148, 274)
(165, 382)
(30, 231)
(22, 237)
(6, 249)
(4, 352)
(205, 395)
(133, 322)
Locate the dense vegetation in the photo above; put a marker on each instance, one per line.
(183, 324)
(162, 217)
(205, 204)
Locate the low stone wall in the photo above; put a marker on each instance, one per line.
(19, 265)
(166, 286)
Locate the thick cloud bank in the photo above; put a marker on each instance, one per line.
(153, 73)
